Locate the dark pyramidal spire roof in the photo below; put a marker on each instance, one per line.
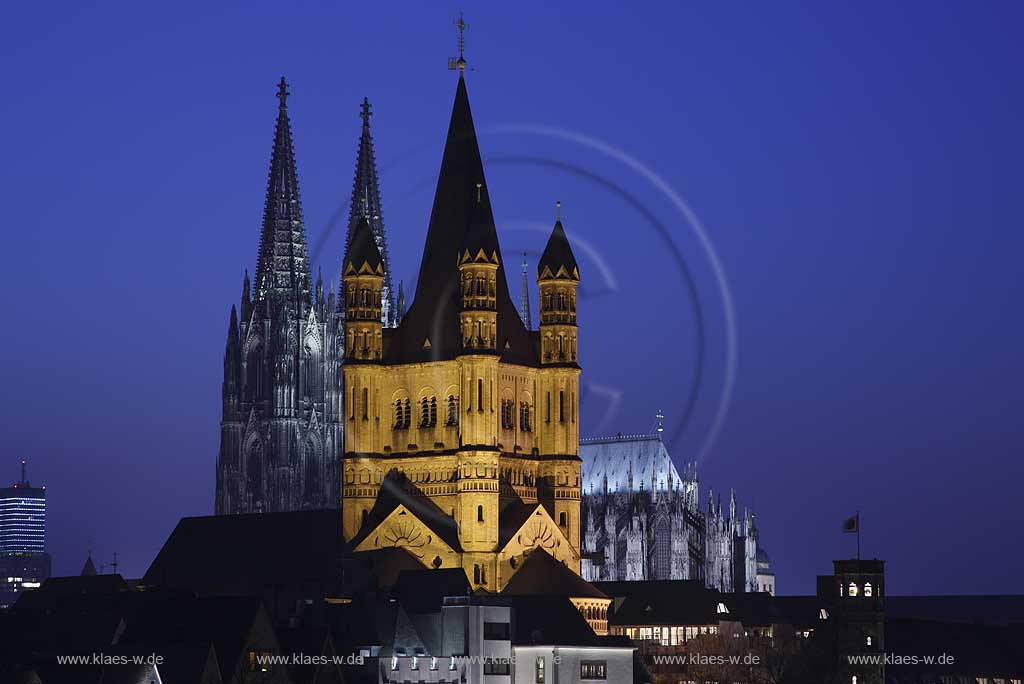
(362, 254)
(434, 312)
(282, 269)
(558, 256)
(89, 569)
(480, 241)
(366, 203)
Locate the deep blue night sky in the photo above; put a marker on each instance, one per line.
(857, 168)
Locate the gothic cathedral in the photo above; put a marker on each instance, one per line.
(461, 430)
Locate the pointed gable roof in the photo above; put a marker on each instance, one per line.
(558, 256)
(542, 575)
(282, 268)
(434, 312)
(89, 569)
(362, 255)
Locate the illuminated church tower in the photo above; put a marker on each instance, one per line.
(461, 425)
(281, 411)
(366, 204)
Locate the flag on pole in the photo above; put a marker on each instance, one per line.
(852, 524)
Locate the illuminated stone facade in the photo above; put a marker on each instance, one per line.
(643, 521)
(461, 426)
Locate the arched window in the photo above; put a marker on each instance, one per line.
(524, 416)
(254, 375)
(476, 574)
(479, 395)
(424, 413)
(561, 406)
(312, 475)
(561, 519)
(480, 513)
(433, 411)
(867, 589)
(366, 403)
(852, 590)
(868, 640)
(407, 420)
(254, 473)
(453, 412)
(311, 377)
(399, 422)
(662, 548)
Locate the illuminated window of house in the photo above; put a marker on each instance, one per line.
(593, 669)
(869, 640)
(867, 589)
(394, 662)
(539, 669)
(433, 662)
(721, 609)
(259, 661)
(852, 590)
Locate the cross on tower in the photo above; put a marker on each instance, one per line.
(282, 91)
(460, 63)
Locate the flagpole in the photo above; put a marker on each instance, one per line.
(858, 536)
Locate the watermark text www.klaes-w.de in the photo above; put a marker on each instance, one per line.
(694, 658)
(110, 659)
(900, 659)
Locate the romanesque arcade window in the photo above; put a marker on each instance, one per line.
(508, 414)
(428, 412)
(524, 417)
(452, 417)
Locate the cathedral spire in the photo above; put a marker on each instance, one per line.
(366, 203)
(400, 313)
(524, 296)
(282, 269)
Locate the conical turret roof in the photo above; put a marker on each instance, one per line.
(362, 255)
(558, 257)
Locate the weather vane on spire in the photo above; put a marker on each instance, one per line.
(282, 91)
(460, 62)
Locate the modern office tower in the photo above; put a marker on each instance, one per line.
(24, 563)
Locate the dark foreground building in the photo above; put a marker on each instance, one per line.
(850, 632)
(282, 598)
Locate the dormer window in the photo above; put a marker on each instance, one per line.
(722, 610)
(867, 589)
(852, 590)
